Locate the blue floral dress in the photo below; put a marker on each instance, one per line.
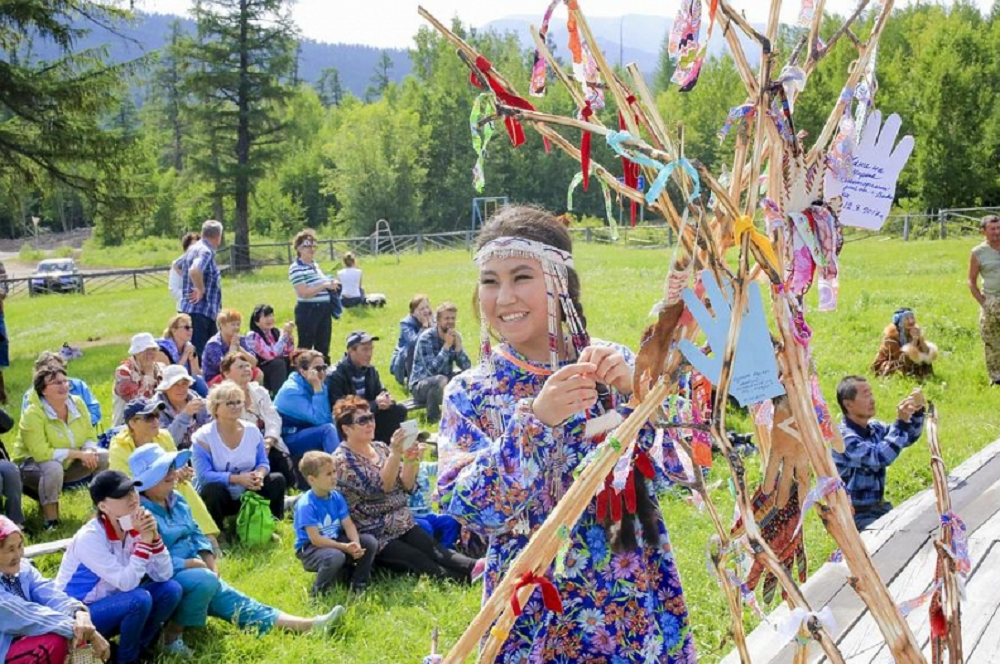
(617, 607)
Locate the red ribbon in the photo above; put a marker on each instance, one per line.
(514, 129)
(608, 504)
(586, 114)
(630, 169)
(550, 596)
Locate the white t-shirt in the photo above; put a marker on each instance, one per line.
(350, 279)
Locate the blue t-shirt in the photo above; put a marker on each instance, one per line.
(324, 513)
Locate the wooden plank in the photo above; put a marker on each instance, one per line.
(986, 650)
(46, 548)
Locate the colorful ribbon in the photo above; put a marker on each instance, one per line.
(550, 595)
(825, 487)
(608, 204)
(483, 73)
(959, 542)
(683, 45)
(482, 132)
(539, 73)
(616, 139)
(744, 224)
(739, 116)
(907, 607)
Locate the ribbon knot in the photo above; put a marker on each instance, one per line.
(550, 596)
(743, 225)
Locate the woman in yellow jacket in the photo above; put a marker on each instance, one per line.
(142, 426)
(55, 442)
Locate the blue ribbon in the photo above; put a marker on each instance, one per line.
(664, 171)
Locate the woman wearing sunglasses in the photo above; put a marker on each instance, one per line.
(230, 458)
(304, 405)
(176, 348)
(317, 295)
(376, 480)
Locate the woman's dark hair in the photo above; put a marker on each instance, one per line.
(42, 376)
(532, 223)
(188, 239)
(259, 312)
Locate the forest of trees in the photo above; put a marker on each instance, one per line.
(226, 131)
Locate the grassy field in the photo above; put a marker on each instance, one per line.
(392, 623)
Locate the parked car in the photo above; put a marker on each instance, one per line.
(56, 275)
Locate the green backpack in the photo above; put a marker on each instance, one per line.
(254, 523)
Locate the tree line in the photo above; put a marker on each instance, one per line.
(226, 129)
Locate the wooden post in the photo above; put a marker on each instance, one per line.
(906, 228)
(942, 220)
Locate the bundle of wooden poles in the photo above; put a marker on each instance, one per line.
(703, 243)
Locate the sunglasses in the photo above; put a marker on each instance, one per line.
(307, 245)
(321, 368)
(184, 327)
(234, 404)
(364, 419)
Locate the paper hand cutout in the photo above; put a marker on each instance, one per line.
(868, 192)
(755, 371)
(787, 460)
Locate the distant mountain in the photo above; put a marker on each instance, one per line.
(642, 36)
(150, 32)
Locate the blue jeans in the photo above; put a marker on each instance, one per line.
(445, 529)
(205, 595)
(323, 437)
(137, 615)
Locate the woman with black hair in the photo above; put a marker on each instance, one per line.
(514, 431)
(272, 348)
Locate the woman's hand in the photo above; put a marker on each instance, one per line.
(146, 525)
(315, 379)
(568, 391)
(185, 474)
(269, 442)
(396, 443)
(612, 369)
(88, 457)
(195, 563)
(194, 407)
(83, 628)
(288, 329)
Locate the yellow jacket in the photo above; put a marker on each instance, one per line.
(40, 433)
(122, 446)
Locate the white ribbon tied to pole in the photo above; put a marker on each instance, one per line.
(800, 618)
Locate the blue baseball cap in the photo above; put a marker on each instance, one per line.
(142, 406)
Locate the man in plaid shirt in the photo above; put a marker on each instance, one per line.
(203, 285)
(437, 354)
(870, 446)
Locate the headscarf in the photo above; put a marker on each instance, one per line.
(7, 528)
(897, 320)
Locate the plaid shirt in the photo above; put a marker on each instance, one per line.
(868, 451)
(202, 256)
(431, 358)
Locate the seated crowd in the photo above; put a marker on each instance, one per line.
(189, 437)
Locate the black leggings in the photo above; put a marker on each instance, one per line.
(221, 504)
(314, 326)
(416, 552)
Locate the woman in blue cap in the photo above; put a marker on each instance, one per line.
(194, 565)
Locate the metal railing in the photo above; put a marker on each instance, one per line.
(88, 283)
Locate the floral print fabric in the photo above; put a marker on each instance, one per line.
(375, 512)
(618, 607)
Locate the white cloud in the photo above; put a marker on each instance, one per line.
(392, 23)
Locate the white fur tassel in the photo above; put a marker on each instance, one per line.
(603, 424)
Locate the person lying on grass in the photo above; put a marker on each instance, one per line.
(194, 565)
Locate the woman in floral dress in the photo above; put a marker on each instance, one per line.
(513, 432)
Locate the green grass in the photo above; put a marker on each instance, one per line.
(393, 622)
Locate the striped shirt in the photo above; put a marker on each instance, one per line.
(308, 274)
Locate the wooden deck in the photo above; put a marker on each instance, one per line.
(902, 546)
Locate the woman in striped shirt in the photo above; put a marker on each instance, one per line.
(315, 292)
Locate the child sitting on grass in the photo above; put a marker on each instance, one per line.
(326, 540)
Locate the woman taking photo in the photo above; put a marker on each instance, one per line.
(117, 566)
(512, 435)
(272, 348)
(40, 622)
(229, 458)
(56, 442)
(314, 293)
(258, 411)
(176, 348)
(376, 480)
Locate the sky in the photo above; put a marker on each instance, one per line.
(392, 23)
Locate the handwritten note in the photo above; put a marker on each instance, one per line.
(868, 191)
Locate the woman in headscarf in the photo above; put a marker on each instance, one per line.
(904, 348)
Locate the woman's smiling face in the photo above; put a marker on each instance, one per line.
(514, 300)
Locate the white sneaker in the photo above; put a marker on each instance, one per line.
(325, 622)
(177, 648)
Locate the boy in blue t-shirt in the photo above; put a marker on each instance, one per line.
(326, 540)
